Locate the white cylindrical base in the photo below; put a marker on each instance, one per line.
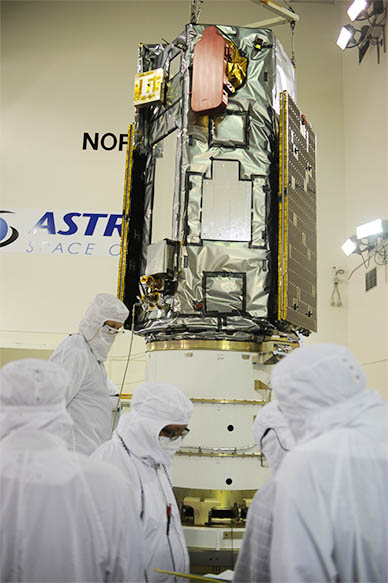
(202, 537)
(226, 387)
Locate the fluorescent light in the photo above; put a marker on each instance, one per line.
(356, 8)
(344, 36)
(367, 229)
(349, 246)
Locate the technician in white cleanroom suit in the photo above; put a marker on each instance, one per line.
(62, 514)
(83, 355)
(331, 507)
(273, 436)
(142, 447)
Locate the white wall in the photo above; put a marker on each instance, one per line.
(366, 169)
(319, 91)
(68, 68)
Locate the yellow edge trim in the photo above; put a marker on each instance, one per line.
(280, 237)
(285, 209)
(285, 274)
(126, 201)
(280, 254)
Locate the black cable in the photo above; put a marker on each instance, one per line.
(366, 262)
(383, 253)
(292, 26)
(289, 7)
(358, 42)
(375, 23)
(126, 367)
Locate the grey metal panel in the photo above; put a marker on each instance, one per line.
(160, 258)
(226, 204)
(259, 211)
(224, 292)
(229, 130)
(193, 208)
(165, 123)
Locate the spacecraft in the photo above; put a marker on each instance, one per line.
(218, 255)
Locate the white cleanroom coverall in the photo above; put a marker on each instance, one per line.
(83, 355)
(136, 450)
(62, 514)
(331, 508)
(272, 435)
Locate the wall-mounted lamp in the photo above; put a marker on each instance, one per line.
(345, 36)
(370, 241)
(356, 8)
(350, 37)
(376, 227)
(373, 13)
(350, 245)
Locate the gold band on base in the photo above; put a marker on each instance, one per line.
(202, 345)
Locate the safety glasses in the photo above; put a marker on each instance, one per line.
(174, 434)
(112, 330)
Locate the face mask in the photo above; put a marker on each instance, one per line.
(170, 446)
(101, 344)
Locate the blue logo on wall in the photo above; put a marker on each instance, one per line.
(7, 230)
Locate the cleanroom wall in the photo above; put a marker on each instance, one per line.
(365, 100)
(67, 72)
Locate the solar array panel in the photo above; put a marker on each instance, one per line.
(297, 281)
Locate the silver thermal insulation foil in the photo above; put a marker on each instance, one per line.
(212, 271)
